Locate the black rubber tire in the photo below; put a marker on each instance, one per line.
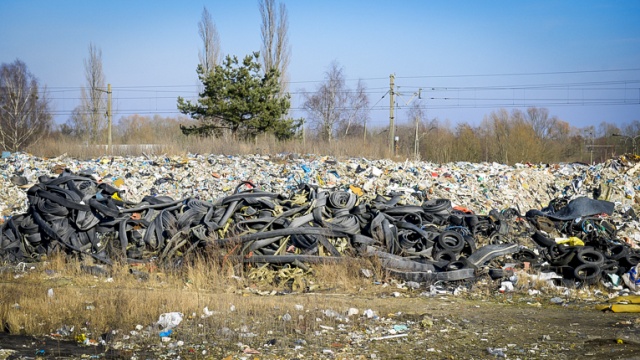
(622, 270)
(496, 274)
(456, 220)
(456, 265)
(561, 255)
(587, 273)
(610, 267)
(445, 255)
(525, 255)
(451, 241)
(590, 256)
(437, 206)
(497, 239)
(617, 252)
(539, 238)
(470, 244)
(630, 260)
(472, 221)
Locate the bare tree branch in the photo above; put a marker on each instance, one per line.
(24, 111)
(88, 120)
(210, 55)
(276, 51)
(96, 105)
(334, 108)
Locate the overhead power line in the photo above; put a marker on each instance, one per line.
(519, 74)
(146, 86)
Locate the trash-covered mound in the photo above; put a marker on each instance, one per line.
(329, 211)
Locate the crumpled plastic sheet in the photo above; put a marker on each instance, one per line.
(315, 194)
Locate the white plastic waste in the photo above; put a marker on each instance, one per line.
(170, 320)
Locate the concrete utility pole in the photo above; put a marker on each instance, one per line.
(416, 140)
(109, 116)
(392, 128)
(364, 138)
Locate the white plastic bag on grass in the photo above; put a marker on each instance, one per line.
(170, 320)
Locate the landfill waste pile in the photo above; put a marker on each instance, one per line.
(425, 222)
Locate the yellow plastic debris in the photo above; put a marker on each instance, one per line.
(119, 182)
(619, 308)
(356, 190)
(627, 299)
(115, 196)
(572, 241)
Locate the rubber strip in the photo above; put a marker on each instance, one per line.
(455, 275)
(490, 252)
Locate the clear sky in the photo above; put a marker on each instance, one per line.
(579, 59)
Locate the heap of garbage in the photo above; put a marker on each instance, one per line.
(425, 222)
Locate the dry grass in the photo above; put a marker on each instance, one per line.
(374, 148)
(97, 304)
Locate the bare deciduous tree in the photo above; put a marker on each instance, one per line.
(358, 109)
(24, 110)
(468, 144)
(632, 129)
(210, 54)
(333, 105)
(606, 129)
(276, 51)
(96, 95)
(88, 120)
(541, 122)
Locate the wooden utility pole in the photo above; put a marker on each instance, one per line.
(109, 116)
(392, 128)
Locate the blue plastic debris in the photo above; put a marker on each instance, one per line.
(400, 328)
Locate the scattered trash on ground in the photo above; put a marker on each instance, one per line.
(425, 222)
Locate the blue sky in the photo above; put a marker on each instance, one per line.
(581, 60)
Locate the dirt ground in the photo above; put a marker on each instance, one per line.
(429, 327)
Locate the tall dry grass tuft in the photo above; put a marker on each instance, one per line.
(343, 277)
(62, 292)
(177, 144)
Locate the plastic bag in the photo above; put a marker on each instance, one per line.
(170, 320)
(632, 278)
